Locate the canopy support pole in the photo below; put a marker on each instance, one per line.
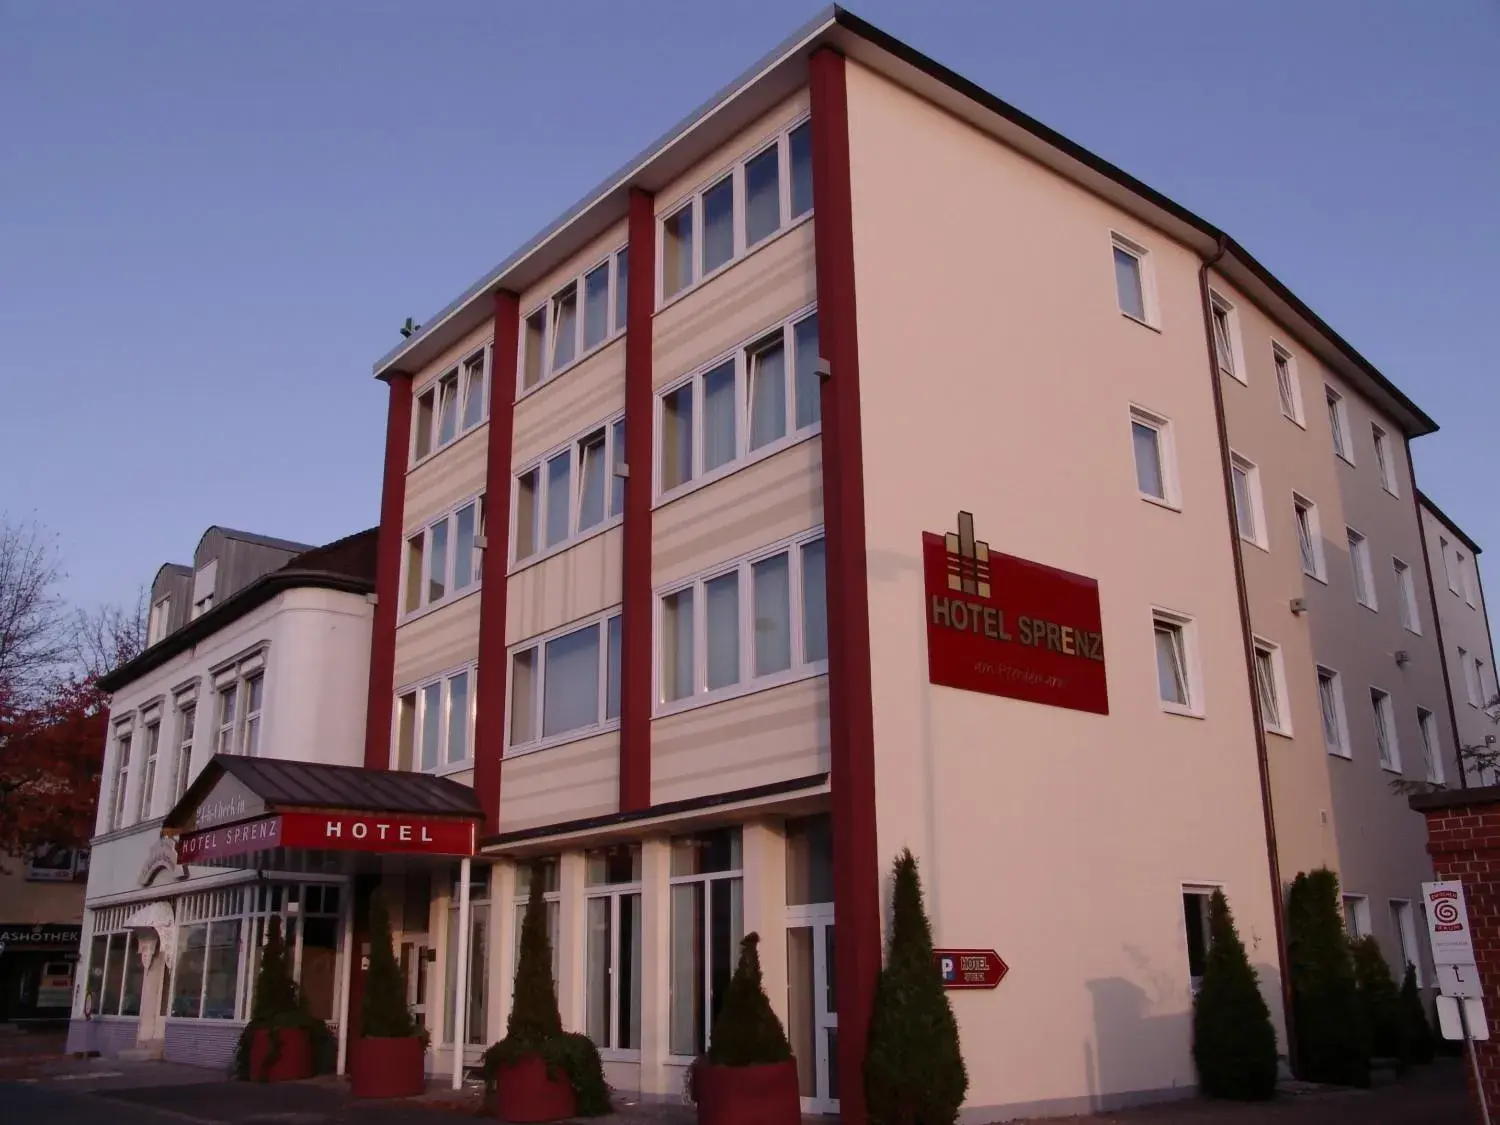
(461, 975)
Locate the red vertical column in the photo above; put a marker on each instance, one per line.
(856, 865)
(388, 573)
(635, 613)
(489, 715)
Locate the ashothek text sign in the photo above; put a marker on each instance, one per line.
(1007, 626)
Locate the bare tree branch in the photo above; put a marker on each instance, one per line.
(33, 633)
(104, 638)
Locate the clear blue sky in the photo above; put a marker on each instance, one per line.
(214, 217)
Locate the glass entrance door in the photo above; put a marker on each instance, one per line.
(813, 1023)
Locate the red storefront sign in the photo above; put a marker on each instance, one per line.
(970, 968)
(331, 831)
(1007, 626)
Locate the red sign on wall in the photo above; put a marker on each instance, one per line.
(333, 831)
(970, 968)
(1007, 626)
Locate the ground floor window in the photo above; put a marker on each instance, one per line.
(1195, 902)
(206, 981)
(476, 1009)
(552, 896)
(115, 971)
(707, 909)
(612, 990)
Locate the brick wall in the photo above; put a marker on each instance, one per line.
(1463, 837)
(208, 1043)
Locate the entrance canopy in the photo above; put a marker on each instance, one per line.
(240, 806)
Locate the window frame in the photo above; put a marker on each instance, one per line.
(1280, 699)
(123, 735)
(1288, 391)
(539, 741)
(1465, 662)
(185, 707)
(1338, 424)
(1225, 313)
(1145, 271)
(151, 733)
(1403, 922)
(1385, 458)
(1345, 748)
(1192, 677)
(744, 456)
(1432, 745)
(1302, 505)
(157, 620)
(451, 593)
(692, 200)
(1361, 569)
(462, 370)
(613, 428)
(1204, 891)
(747, 683)
(1406, 596)
(1166, 455)
(729, 875)
(1383, 716)
(1456, 577)
(617, 262)
(1261, 535)
(1357, 908)
(417, 691)
(616, 1019)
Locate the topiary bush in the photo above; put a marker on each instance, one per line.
(1234, 1041)
(1379, 1000)
(277, 1007)
(384, 1014)
(914, 1070)
(746, 1031)
(1332, 1037)
(1418, 1044)
(534, 1026)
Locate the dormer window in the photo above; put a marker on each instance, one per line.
(156, 624)
(203, 587)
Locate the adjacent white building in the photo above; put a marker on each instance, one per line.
(260, 648)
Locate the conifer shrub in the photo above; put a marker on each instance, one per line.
(278, 1007)
(747, 1031)
(1379, 999)
(1418, 1044)
(1332, 1037)
(914, 1069)
(1234, 1041)
(384, 1011)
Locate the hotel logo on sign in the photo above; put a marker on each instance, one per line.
(1007, 626)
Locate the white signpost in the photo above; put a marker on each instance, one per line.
(1461, 1003)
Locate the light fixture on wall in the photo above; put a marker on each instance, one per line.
(1299, 606)
(1402, 657)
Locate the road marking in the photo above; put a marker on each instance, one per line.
(89, 1077)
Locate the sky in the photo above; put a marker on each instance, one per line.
(215, 217)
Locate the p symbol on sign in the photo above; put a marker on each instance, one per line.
(950, 971)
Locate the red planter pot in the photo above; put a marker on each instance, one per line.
(747, 1095)
(387, 1068)
(524, 1092)
(293, 1064)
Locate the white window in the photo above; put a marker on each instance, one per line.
(1155, 457)
(1356, 916)
(238, 702)
(254, 691)
(156, 624)
(203, 587)
(1456, 575)
(1309, 537)
(763, 193)
(1338, 424)
(450, 405)
(570, 492)
(1270, 687)
(1359, 566)
(1226, 326)
(565, 685)
(435, 722)
(1403, 923)
(1335, 721)
(1134, 284)
(1469, 578)
(612, 967)
(122, 776)
(1471, 681)
(1479, 685)
(1385, 730)
(1406, 591)
(1447, 554)
(1176, 663)
(1288, 386)
(706, 884)
(740, 407)
(1249, 511)
(442, 559)
(1385, 459)
(1195, 903)
(748, 624)
(148, 766)
(227, 698)
(580, 317)
(182, 774)
(1432, 747)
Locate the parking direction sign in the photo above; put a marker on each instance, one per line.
(1448, 923)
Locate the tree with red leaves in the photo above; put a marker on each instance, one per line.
(51, 757)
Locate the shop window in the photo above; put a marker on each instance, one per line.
(548, 869)
(476, 1008)
(612, 987)
(707, 922)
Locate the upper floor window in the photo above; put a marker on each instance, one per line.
(204, 580)
(1288, 388)
(565, 684)
(1176, 663)
(123, 738)
(1432, 753)
(1227, 338)
(156, 623)
(1335, 721)
(570, 492)
(1309, 537)
(760, 398)
(764, 192)
(1359, 565)
(1338, 424)
(182, 774)
(752, 623)
(1406, 591)
(1270, 687)
(435, 722)
(1155, 467)
(586, 312)
(1385, 730)
(1249, 510)
(1133, 282)
(450, 405)
(240, 699)
(443, 559)
(152, 733)
(1447, 555)
(1385, 459)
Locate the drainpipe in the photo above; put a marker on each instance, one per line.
(1263, 760)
